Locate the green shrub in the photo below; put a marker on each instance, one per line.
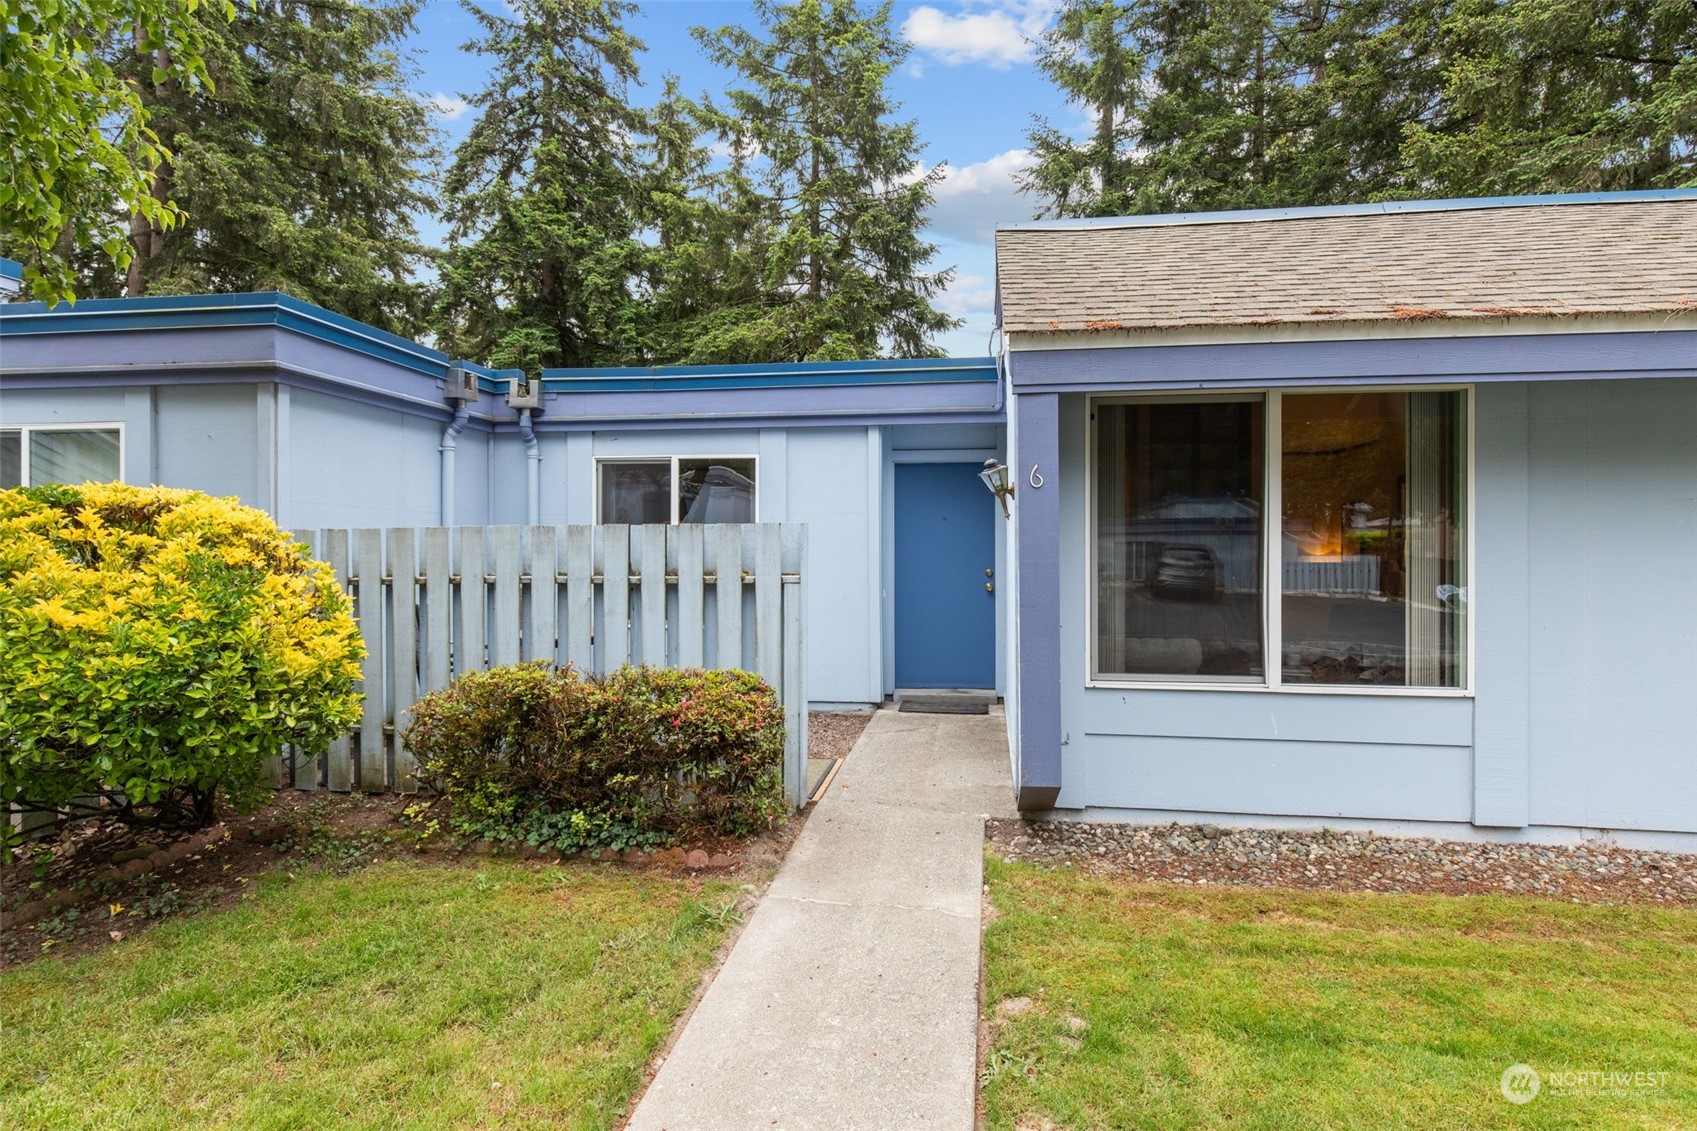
(558, 758)
(157, 645)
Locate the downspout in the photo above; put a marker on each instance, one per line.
(450, 445)
(533, 481)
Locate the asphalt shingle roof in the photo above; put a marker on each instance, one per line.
(1607, 257)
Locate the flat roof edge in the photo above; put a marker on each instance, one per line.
(1374, 208)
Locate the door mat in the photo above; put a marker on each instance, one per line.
(945, 705)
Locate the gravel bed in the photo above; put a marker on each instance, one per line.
(831, 734)
(1593, 872)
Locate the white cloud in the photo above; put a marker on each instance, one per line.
(970, 201)
(968, 294)
(447, 106)
(998, 34)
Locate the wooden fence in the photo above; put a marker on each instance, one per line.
(436, 602)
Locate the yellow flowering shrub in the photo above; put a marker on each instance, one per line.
(157, 645)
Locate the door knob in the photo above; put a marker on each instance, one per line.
(989, 587)
(989, 573)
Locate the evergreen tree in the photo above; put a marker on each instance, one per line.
(704, 273)
(832, 184)
(297, 169)
(1562, 95)
(1215, 104)
(1093, 54)
(544, 194)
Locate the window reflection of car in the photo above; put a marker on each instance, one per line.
(1226, 527)
(1188, 572)
(722, 495)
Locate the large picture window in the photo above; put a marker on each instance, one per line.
(677, 489)
(1359, 582)
(32, 456)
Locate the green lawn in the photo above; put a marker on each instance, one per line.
(407, 994)
(1167, 1007)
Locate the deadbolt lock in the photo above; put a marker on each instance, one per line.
(989, 573)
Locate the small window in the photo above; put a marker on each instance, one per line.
(33, 456)
(698, 489)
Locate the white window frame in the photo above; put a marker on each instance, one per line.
(675, 460)
(81, 426)
(1272, 602)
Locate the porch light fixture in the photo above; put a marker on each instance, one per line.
(999, 479)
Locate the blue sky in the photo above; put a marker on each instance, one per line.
(969, 84)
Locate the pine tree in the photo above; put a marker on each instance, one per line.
(544, 194)
(298, 169)
(838, 194)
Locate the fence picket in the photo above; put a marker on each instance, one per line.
(338, 759)
(373, 768)
(692, 602)
(580, 597)
(727, 547)
(615, 596)
(544, 595)
(403, 649)
(793, 696)
(504, 607)
(768, 601)
(651, 560)
(468, 649)
(438, 613)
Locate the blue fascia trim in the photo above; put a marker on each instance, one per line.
(189, 312)
(1251, 215)
(11, 269)
(792, 375)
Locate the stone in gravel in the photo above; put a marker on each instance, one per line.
(721, 860)
(697, 859)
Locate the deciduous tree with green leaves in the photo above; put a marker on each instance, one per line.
(77, 154)
(835, 188)
(543, 194)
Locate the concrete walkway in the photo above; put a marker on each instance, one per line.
(851, 998)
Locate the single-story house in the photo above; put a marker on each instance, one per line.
(1379, 516)
(326, 422)
(1370, 517)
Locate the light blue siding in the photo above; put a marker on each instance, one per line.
(207, 438)
(1612, 715)
(1365, 781)
(1584, 714)
(1303, 717)
(352, 464)
(828, 486)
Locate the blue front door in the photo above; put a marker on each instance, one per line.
(945, 554)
